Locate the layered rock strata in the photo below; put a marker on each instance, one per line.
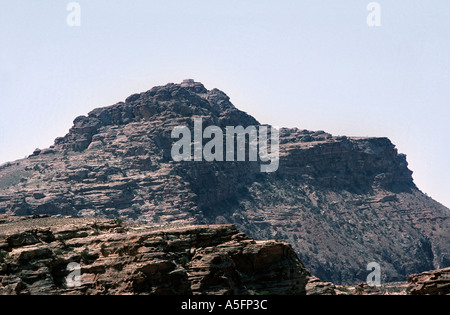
(342, 202)
(44, 255)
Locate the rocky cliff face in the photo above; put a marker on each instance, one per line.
(113, 257)
(341, 202)
(432, 282)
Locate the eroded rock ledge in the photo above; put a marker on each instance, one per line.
(119, 258)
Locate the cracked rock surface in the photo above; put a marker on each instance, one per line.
(119, 258)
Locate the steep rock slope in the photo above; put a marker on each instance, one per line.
(341, 202)
(101, 256)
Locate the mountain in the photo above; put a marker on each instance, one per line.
(342, 202)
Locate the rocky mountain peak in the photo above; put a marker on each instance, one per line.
(196, 87)
(342, 202)
(178, 102)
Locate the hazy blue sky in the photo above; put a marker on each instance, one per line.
(310, 64)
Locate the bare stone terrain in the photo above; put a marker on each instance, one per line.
(116, 257)
(342, 202)
(119, 258)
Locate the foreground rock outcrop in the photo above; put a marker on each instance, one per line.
(435, 282)
(119, 258)
(342, 202)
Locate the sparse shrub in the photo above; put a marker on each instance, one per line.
(3, 256)
(118, 221)
(85, 255)
(58, 252)
(60, 238)
(96, 228)
(103, 249)
(183, 260)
